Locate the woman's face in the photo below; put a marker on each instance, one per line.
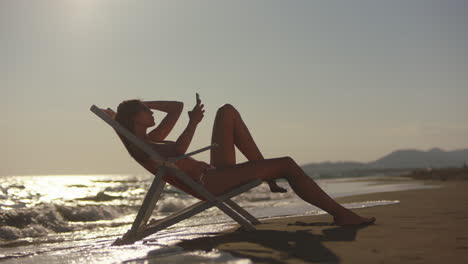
(144, 117)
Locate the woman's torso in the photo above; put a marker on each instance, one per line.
(192, 167)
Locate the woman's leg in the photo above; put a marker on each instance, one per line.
(221, 180)
(229, 130)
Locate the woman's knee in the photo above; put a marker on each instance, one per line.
(288, 161)
(227, 109)
(289, 166)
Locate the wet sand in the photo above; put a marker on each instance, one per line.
(428, 226)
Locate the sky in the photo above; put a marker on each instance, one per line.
(314, 80)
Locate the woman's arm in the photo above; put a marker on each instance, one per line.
(196, 115)
(173, 110)
(185, 138)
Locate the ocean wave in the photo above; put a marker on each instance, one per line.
(44, 219)
(100, 197)
(172, 204)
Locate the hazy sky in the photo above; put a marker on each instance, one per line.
(314, 80)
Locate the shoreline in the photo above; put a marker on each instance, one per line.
(427, 226)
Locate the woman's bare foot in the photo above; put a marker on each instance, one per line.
(351, 218)
(275, 188)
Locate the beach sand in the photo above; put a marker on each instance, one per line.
(427, 226)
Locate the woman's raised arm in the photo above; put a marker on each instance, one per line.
(173, 110)
(195, 116)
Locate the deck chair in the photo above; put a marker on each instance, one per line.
(140, 227)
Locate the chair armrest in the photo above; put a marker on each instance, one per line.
(214, 145)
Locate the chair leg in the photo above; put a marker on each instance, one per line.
(242, 212)
(211, 198)
(183, 214)
(155, 199)
(236, 216)
(151, 198)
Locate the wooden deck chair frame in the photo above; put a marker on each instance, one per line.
(140, 229)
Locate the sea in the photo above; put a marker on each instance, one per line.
(75, 218)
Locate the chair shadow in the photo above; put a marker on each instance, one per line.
(302, 244)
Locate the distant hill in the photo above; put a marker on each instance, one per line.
(434, 158)
(397, 160)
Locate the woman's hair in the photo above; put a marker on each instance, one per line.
(126, 112)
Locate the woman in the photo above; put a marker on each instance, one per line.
(222, 174)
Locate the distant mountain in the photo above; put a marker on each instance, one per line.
(434, 158)
(397, 160)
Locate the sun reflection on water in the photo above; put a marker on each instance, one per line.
(28, 191)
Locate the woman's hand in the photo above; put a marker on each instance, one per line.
(197, 113)
(109, 112)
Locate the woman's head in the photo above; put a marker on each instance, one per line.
(131, 113)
